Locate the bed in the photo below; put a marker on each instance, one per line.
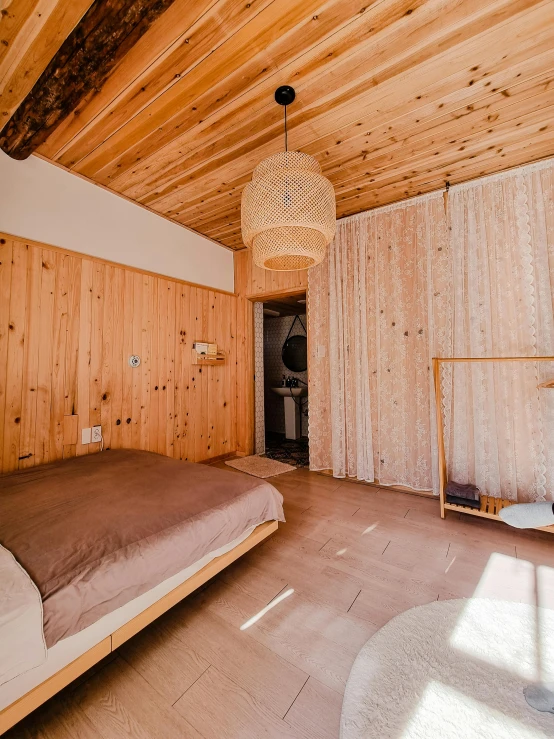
(95, 548)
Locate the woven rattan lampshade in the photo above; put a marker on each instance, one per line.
(288, 212)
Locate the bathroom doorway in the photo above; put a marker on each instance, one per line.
(285, 379)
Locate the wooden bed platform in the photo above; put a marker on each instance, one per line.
(34, 698)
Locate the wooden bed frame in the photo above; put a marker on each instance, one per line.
(35, 697)
(490, 507)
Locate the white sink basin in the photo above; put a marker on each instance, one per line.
(286, 392)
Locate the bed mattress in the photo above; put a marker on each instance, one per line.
(97, 531)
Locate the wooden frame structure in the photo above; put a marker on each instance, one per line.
(52, 685)
(490, 507)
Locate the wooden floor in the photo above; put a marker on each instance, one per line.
(348, 559)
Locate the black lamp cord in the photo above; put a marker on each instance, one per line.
(286, 134)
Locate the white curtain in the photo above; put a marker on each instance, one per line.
(377, 308)
(499, 429)
(411, 281)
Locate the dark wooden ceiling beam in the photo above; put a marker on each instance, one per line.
(100, 40)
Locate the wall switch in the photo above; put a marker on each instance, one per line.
(96, 434)
(86, 436)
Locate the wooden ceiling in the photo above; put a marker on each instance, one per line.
(394, 97)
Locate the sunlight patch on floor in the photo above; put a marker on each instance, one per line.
(272, 604)
(504, 578)
(445, 712)
(450, 565)
(370, 528)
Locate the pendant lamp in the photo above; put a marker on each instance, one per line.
(288, 210)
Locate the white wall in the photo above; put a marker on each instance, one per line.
(41, 202)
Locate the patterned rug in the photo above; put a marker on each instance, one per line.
(291, 451)
(260, 466)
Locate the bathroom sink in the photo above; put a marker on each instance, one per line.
(286, 392)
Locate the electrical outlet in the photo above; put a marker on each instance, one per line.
(96, 434)
(85, 436)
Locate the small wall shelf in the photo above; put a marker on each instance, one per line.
(207, 359)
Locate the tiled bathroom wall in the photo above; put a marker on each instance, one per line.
(275, 334)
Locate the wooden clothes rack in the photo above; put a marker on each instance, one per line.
(490, 507)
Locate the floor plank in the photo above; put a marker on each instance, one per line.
(219, 707)
(316, 711)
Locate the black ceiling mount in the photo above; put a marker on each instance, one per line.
(285, 95)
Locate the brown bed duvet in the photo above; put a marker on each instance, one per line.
(96, 531)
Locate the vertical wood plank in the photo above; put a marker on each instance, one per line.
(59, 341)
(45, 357)
(146, 363)
(186, 334)
(170, 369)
(16, 343)
(117, 358)
(27, 440)
(161, 392)
(83, 358)
(107, 356)
(96, 350)
(72, 344)
(153, 413)
(126, 369)
(136, 410)
(6, 256)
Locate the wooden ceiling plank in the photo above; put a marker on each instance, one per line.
(103, 36)
(445, 136)
(13, 18)
(30, 34)
(476, 8)
(253, 84)
(502, 104)
(528, 69)
(515, 155)
(328, 19)
(209, 176)
(533, 94)
(486, 164)
(169, 30)
(387, 47)
(424, 166)
(20, 24)
(531, 124)
(328, 110)
(216, 26)
(251, 38)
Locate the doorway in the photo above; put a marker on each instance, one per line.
(282, 396)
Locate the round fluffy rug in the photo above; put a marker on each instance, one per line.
(452, 670)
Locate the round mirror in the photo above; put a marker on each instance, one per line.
(295, 353)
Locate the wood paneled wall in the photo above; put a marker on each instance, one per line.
(253, 283)
(68, 325)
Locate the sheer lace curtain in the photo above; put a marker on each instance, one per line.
(499, 428)
(408, 282)
(377, 316)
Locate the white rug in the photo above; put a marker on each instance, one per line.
(260, 466)
(452, 670)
